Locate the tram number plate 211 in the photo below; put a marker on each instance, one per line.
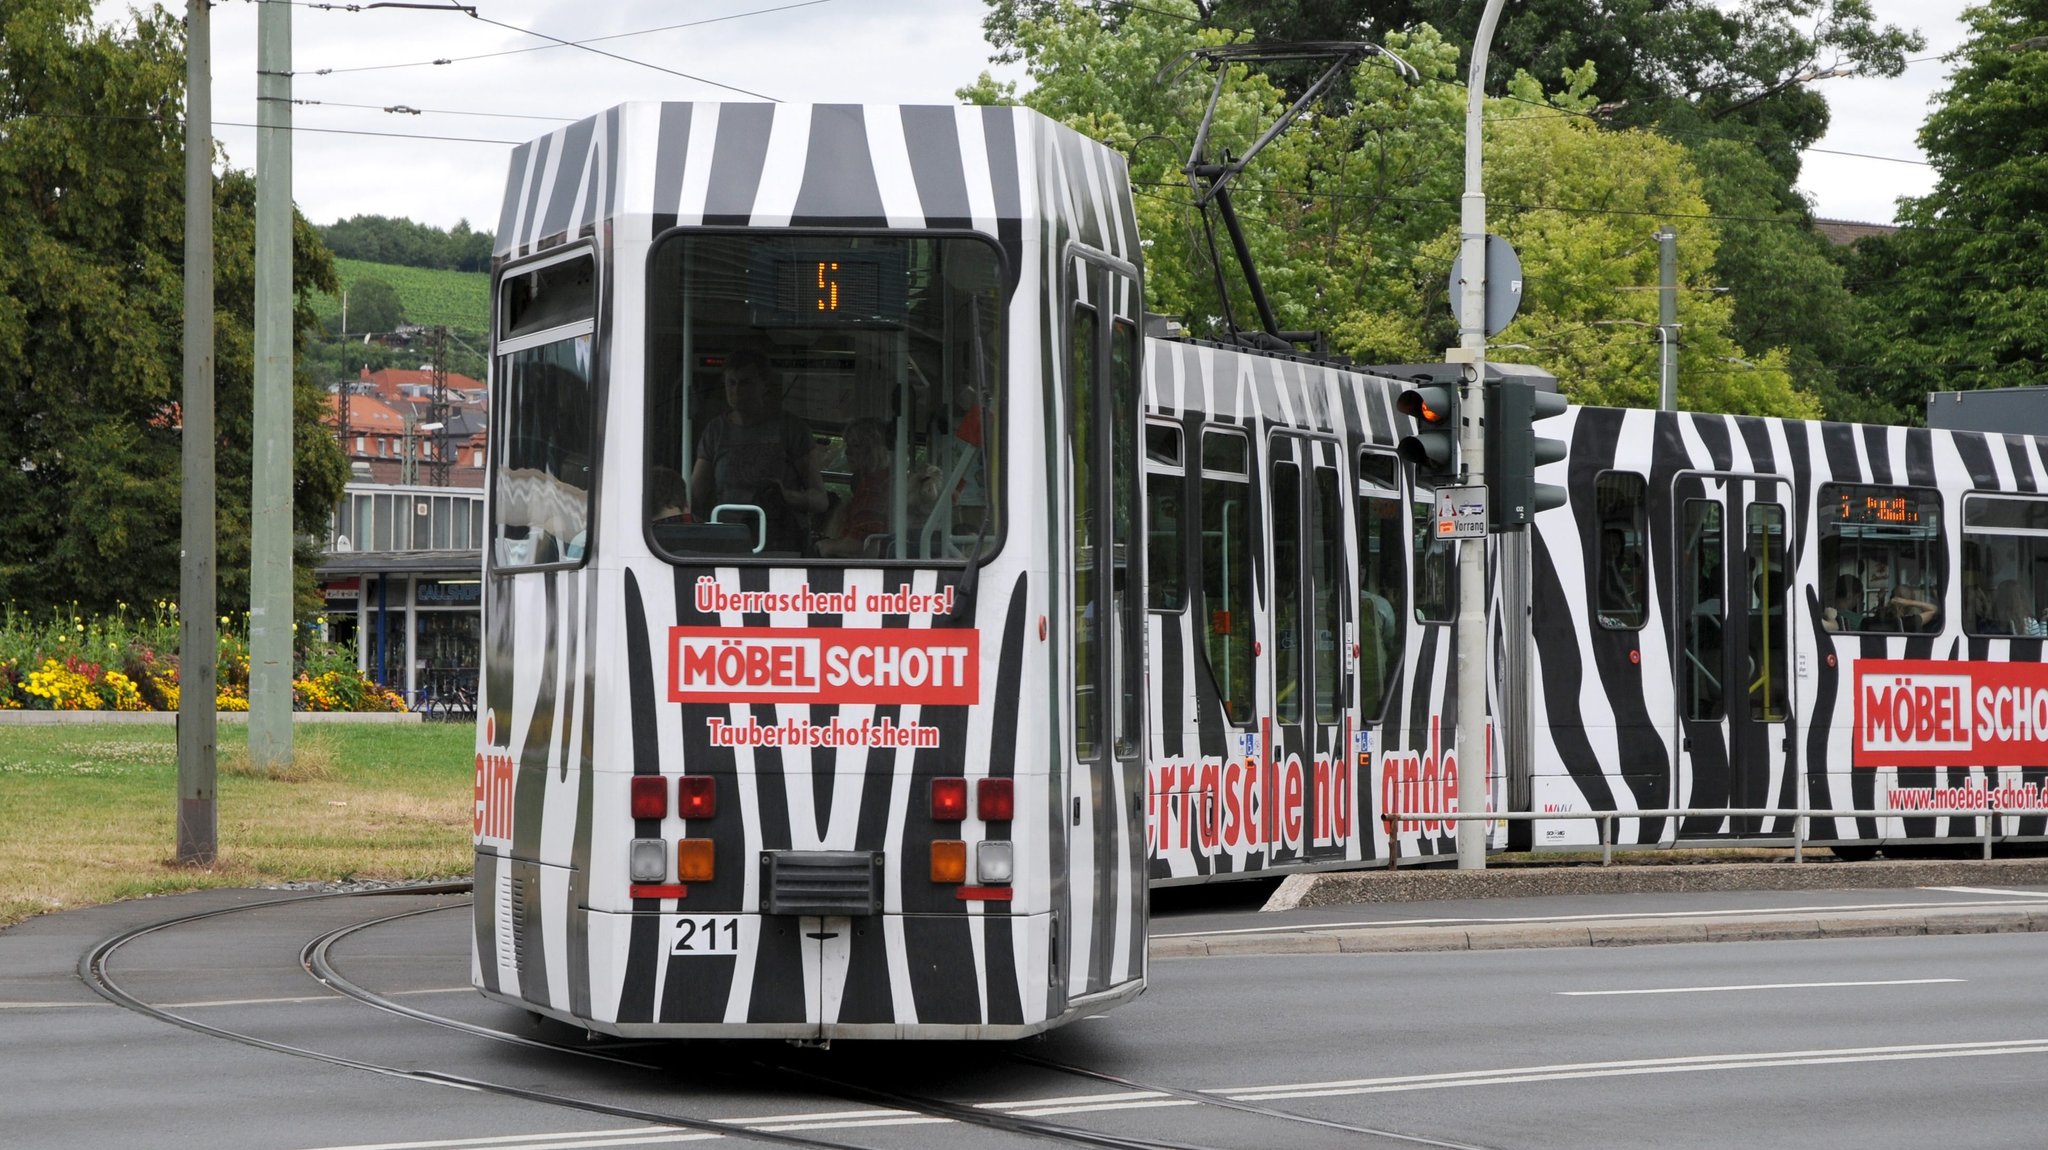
(706, 934)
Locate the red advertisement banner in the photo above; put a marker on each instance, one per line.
(1937, 713)
(824, 665)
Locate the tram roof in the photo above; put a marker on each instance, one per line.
(986, 168)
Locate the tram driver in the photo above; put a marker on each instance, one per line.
(758, 455)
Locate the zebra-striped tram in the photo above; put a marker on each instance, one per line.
(811, 699)
(875, 607)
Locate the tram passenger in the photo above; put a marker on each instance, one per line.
(2012, 611)
(759, 455)
(1846, 613)
(1908, 607)
(865, 511)
(668, 497)
(1977, 611)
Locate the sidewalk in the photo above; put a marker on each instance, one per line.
(1625, 905)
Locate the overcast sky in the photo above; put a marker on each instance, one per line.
(503, 84)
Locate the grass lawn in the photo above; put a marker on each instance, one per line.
(87, 813)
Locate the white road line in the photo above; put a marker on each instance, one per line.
(1145, 1100)
(1562, 918)
(1081, 1101)
(47, 1005)
(1756, 986)
(563, 1140)
(1678, 1065)
(1990, 890)
(331, 996)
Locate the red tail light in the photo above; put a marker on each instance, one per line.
(650, 796)
(696, 796)
(949, 800)
(995, 800)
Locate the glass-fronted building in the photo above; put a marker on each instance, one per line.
(403, 578)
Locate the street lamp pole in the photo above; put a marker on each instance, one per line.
(1471, 351)
(198, 651)
(1667, 318)
(270, 498)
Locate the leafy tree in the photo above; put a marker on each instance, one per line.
(1728, 80)
(384, 240)
(1957, 300)
(91, 317)
(373, 306)
(1352, 214)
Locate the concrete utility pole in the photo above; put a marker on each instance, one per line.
(270, 497)
(198, 655)
(1667, 317)
(1472, 622)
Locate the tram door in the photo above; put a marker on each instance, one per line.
(1303, 791)
(1106, 892)
(1733, 645)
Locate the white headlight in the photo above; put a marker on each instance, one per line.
(647, 859)
(994, 862)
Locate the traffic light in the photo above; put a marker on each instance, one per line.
(1514, 451)
(1433, 446)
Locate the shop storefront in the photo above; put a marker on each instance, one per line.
(402, 578)
(418, 632)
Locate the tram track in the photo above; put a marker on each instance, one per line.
(317, 959)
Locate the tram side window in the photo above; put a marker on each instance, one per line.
(1883, 561)
(1123, 508)
(1088, 565)
(1326, 556)
(1436, 565)
(543, 453)
(1165, 565)
(1764, 546)
(2005, 565)
(1286, 597)
(1382, 577)
(1621, 568)
(1227, 543)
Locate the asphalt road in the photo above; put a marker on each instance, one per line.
(1892, 1039)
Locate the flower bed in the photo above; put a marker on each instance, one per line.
(59, 660)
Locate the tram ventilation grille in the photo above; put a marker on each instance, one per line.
(508, 940)
(821, 882)
(521, 893)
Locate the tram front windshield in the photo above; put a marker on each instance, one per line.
(823, 397)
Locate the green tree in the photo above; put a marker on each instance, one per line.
(1957, 300)
(1352, 214)
(1728, 80)
(373, 306)
(91, 305)
(385, 240)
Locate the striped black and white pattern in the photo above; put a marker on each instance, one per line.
(1204, 826)
(576, 660)
(1611, 733)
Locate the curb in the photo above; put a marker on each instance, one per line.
(1353, 887)
(1396, 939)
(170, 718)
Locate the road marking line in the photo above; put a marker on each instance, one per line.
(1562, 918)
(1145, 1100)
(335, 996)
(1676, 1065)
(1757, 986)
(563, 1140)
(1990, 890)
